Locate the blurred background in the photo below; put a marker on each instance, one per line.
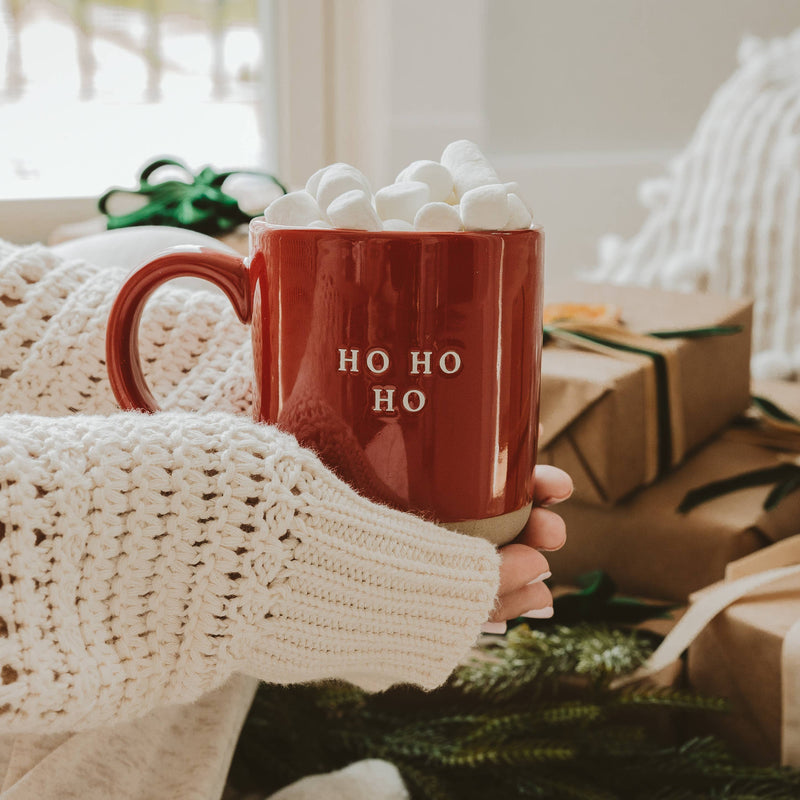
(578, 100)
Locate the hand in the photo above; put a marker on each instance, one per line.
(522, 562)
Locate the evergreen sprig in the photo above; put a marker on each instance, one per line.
(531, 716)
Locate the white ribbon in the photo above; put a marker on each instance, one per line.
(703, 610)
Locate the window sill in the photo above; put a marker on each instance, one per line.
(27, 220)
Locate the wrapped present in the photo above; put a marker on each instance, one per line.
(621, 406)
(731, 498)
(743, 639)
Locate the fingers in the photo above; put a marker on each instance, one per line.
(520, 565)
(533, 598)
(551, 485)
(545, 530)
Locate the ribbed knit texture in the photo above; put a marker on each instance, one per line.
(146, 558)
(726, 219)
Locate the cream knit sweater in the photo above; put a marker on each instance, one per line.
(726, 218)
(144, 559)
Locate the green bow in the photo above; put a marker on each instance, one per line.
(199, 205)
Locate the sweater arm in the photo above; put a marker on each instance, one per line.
(146, 558)
(195, 353)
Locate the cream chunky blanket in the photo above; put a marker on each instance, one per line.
(726, 218)
(146, 559)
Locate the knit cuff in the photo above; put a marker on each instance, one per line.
(370, 595)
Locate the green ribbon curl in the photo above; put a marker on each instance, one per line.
(784, 478)
(774, 411)
(199, 205)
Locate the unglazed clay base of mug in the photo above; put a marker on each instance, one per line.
(498, 530)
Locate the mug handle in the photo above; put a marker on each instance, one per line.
(228, 272)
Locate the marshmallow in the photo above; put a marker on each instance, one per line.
(338, 179)
(437, 217)
(401, 200)
(295, 210)
(397, 225)
(319, 223)
(438, 178)
(468, 166)
(485, 208)
(353, 210)
(518, 215)
(312, 184)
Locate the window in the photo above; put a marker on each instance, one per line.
(90, 90)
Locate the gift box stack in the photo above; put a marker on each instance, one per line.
(684, 486)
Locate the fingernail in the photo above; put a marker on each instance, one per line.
(539, 613)
(542, 578)
(494, 627)
(551, 501)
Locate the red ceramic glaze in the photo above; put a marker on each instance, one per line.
(408, 361)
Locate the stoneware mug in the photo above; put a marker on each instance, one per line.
(409, 361)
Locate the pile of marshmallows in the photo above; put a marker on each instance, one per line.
(462, 192)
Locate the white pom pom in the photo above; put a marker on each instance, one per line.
(771, 365)
(685, 272)
(654, 193)
(609, 248)
(749, 47)
(370, 779)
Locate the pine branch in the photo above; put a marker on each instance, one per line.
(502, 728)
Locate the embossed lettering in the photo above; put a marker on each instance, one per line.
(417, 405)
(384, 398)
(420, 358)
(344, 360)
(382, 357)
(451, 357)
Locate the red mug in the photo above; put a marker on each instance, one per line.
(408, 361)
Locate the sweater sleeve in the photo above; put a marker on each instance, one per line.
(143, 558)
(195, 353)
(146, 558)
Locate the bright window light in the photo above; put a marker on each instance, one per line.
(90, 90)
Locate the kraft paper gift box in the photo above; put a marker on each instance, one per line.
(743, 640)
(651, 549)
(615, 419)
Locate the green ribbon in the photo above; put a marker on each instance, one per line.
(697, 333)
(596, 601)
(199, 205)
(773, 411)
(663, 420)
(784, 478)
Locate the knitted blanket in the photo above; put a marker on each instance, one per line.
(726, 218)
